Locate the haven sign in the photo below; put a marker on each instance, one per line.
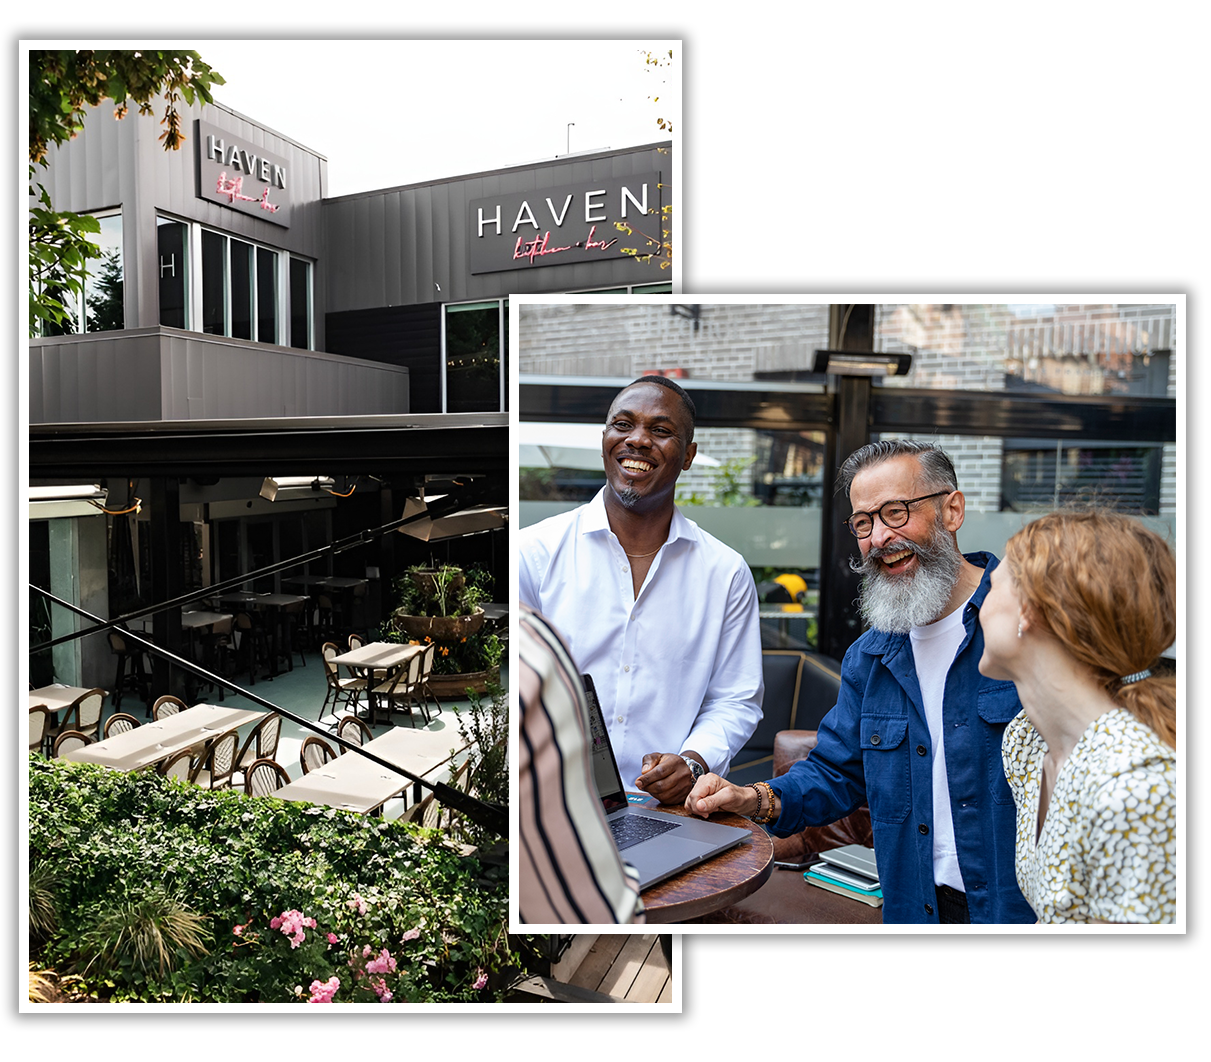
(239, 175)
(570, 223)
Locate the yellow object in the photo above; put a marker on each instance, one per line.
(794, 584)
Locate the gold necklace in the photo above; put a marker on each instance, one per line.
(640, 556)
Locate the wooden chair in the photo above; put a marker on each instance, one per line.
(166, 706)
(402, 689)
(253, 644)
(39, 727)
(353, 730)
(356, 641)
(178, 766)
(217, 764)
(69, 741)
(426, 670)
(347, 688)
(119, 723)
(429, 812)
(264, 776)
(136, 680)
(315, 753)
(262, 743)
(83, 715)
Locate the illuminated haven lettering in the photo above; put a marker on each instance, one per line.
(640, 205)
(540, 247)
(495, 220)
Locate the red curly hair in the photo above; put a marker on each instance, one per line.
(1106, 587)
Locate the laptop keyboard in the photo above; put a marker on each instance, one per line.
(631, 829)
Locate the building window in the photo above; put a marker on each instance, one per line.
(475, 341)
(172, 238)
(243, 291)
(1039, 475)
(100, 309)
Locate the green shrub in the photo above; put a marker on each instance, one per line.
(164, 891)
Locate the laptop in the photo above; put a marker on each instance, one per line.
(656, 843)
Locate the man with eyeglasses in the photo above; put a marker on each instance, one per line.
(916, 731)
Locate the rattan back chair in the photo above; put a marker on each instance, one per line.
(264, 776)
(39, 727)
(119, 723)
(262, 743)
(216, 766)
(178, 766)
(69, 741)
(167, 705)
(353, 730)
(338, 687)
(315, 753)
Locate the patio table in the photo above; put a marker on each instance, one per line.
(153, 742)
(376, 656)
(56, 696)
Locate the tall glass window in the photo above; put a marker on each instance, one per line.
(214, 283)
(172, 238)
(100, 309)
(474, 358)
(266, 301)
(242, 299)
(300, 303)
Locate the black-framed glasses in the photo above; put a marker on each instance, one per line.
(893, 514)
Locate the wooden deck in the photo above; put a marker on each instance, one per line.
(615, 968)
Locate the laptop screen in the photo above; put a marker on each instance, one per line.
(605, 767)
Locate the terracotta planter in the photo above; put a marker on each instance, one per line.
(456, 685)
(440, 628)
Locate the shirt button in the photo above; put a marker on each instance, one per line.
(618, 719)
(874, 739)
(923, 828)
(921, 750)
(626, 667)
(929, 908)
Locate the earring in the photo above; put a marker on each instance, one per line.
(1019, 628)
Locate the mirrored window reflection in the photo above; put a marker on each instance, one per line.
(172, 239)
(214, 283)
(241, 289)
(473, 357)
(104, 281)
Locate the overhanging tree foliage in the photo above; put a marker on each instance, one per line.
(62, 86)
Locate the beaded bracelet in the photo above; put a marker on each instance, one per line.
(758, 788)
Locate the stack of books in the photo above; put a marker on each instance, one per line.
(848, 871)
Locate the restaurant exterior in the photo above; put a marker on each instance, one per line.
(240, 327)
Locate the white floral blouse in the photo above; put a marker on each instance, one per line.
(1108, 848)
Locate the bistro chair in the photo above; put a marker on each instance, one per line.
(356, 641)
(136, 680)
(338, 687)
(69, 741)
(402, 688)
(263, 777)
(83, 714)
(178, 766)
(262, 743)
(119, 723)
(315, 753)
(430, 812)
(294, 619)
(353, 730)
(217, 646)
(217, 764)
(166, 706)
(39, 727)
(426, 670)
(252, 646)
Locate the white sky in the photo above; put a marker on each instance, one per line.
(420, 110)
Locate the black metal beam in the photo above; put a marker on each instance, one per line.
(416, 445)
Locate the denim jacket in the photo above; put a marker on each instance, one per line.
(874, 747)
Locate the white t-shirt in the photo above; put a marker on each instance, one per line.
(933, 649)
(676, 667)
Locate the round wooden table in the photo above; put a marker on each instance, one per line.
(717, 883)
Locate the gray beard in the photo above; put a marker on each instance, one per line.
(628, 496)
(896, 605)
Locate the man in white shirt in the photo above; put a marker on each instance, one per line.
(662, 615)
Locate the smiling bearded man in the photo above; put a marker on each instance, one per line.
(916, 731)
(662, 615)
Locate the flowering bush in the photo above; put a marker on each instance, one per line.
(301, 903)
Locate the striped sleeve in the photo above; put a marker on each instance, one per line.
(570, 872)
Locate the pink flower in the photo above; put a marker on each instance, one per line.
(412, 934)
(382, 991)
(292, 923)
(323, 991)
(356, 903)
(383, 964)
(481, 980)
(239, 930)
(333, 938)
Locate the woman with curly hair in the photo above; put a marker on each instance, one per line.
(1079, 613)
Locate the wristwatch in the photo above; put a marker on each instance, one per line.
(696, 769)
